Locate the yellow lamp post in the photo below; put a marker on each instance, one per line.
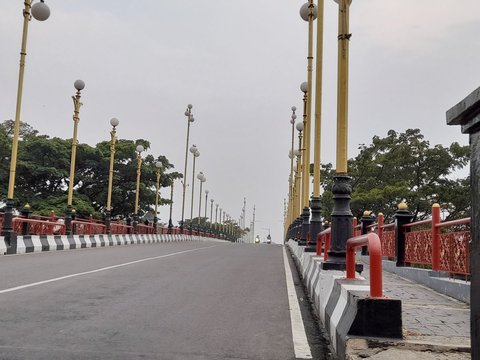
(298, 182)
(190, 119)
(201, 177)
(341, 215)
(113, 135)
(159, 167)
(315, 206)
(170, 222)
(139, 149)
(41, 12)
(305, 210)
(79, 85)
(291, 214)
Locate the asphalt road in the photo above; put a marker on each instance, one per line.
(195, 300)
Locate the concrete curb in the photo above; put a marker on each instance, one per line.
(39, 243)
(344, 306)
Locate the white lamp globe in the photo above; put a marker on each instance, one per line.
(140, 148)
(304, 86)
(304, 11)
(159, 165)
(299, 126)
(193, 148)
(114, 122)
(40, 11)
(79, 85)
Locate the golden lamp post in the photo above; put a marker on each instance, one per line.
(113, 139)
(304, 210)
(190, 119)
(291, 214)
(170, 222)
(139, 149)
(201, 177)
(308, 12)
(315, 206)
(341, 215)
(40, 11)
(79, 85)
(195, 153)
(159, 167)
(298, 182)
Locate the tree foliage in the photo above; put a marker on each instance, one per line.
(404, 167)
(43, 169)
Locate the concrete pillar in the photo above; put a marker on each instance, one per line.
(467, 114)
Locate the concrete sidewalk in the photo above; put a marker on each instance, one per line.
(435, 326)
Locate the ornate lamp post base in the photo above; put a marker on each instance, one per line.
(315, 224)
(305, 226)
(342, 228)
(108, 220)
(7, 231)
(135, 224)
(68, 220)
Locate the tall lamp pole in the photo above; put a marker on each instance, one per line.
(206, 205)
(195, 153)
(190, 119)
(159, 167)
(305, 215)
(113, 135)
(202, 179)
(40, 12)
(170, 223)
(308, 12)
(79, 85)
(211, 213)
(341, 215)
(291, 214)
(216, 216)
(139, 149)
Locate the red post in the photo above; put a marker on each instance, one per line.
(435, 237)
(354, 225)
(319, 244)
(327, 245)
(52, 216)
(375, 252)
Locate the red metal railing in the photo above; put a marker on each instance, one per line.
(37, 227)
(372, 241)
(323, 238)
(87, 228)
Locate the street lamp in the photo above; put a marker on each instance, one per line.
(298, 181)
(40, 12)
(305, 215)
(315, 205)
(216, 216)
(139, 149)
(202, 179)
(291, 156)
(159, 167)
(211, 213)
(195, 154)
(79, 85)
(190, 119)
(113, 135)
(170, 223)
(206, 205)
(341, 190)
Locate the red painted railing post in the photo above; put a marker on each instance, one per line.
(435, 237)
(354, 225)
(327, 245)
(319, 244)
(52, 216)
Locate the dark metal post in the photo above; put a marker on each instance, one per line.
(315, 223)
(305, 226)
(402, 217)
(68, 220)
(342, 228)
(366, 221)
(108, 220)
(26, 211)
(467, 114)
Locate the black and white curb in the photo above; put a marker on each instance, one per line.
(39, 243)
(344, 306)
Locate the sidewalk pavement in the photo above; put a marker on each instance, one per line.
(435, 326)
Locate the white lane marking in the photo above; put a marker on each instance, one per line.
(21, 287)
(300, 342)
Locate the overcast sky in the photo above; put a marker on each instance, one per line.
(240, 64)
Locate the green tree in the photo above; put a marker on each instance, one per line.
(404, 167)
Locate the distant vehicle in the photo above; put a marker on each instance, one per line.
(269, 239)
(257, 239)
